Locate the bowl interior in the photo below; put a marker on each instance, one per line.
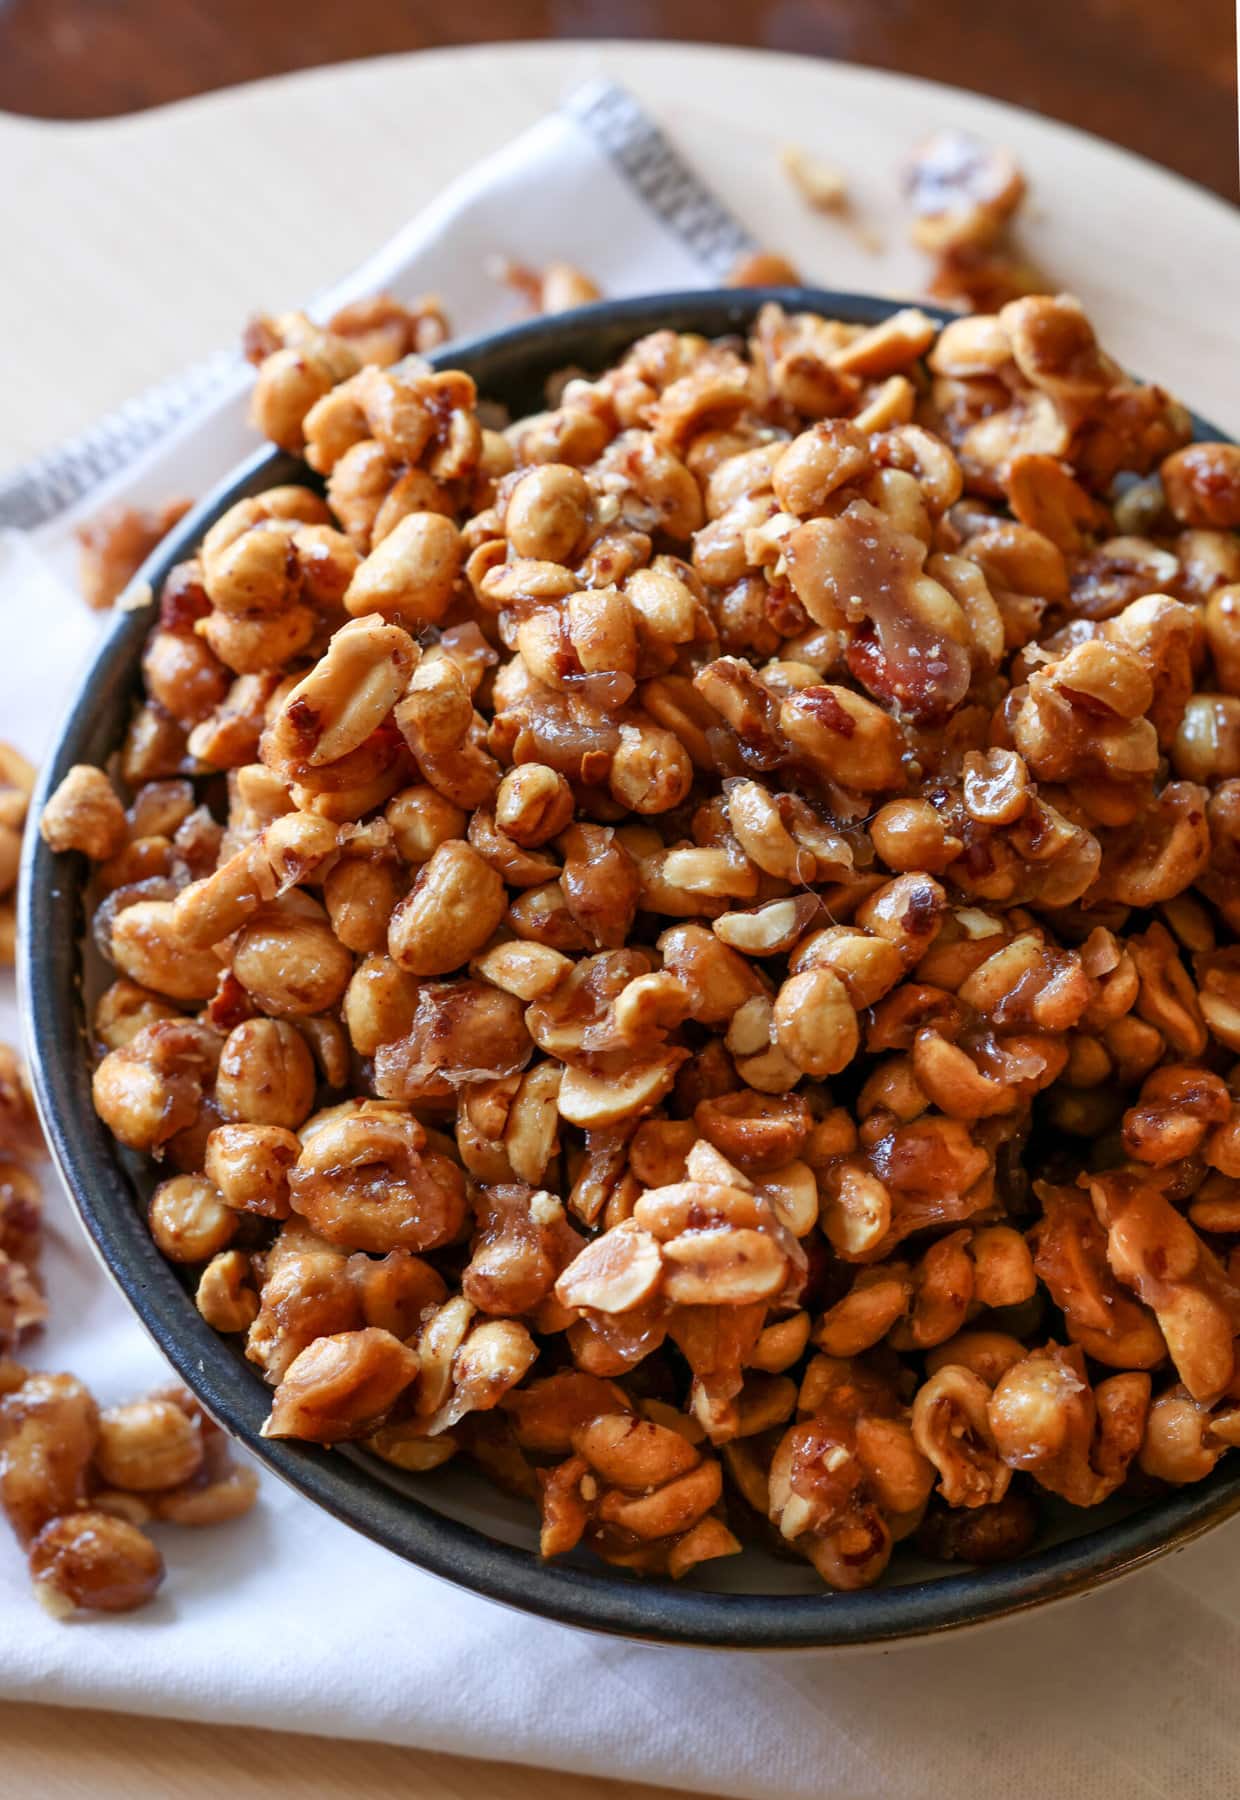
(454, 1523)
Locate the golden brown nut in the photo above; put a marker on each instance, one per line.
(546, 512)
(249, 1167)
(641, 1495)
(360, 894)
(10, 858)
(115, 543)
(266, 1075)
(49, 1427)
(468, 1365)
(365, 1181)
(147, 1444)
(1076, 1440)
(410, 575)
(953, 1429)
(17, 779)
(1154, 1251)
(1184, 1439)
(296, 374)
(1202, 485)
(341, 1387)
(84, 814)
(124, 1009)
(455, 904)
(763, 268)
(219, 1491)
(151, 1087)
(846, 1476)
(460, 1032)
(379, 1004)
(962, 191)
(20, 1133)
(333, 710)
(93, 1561)
(815, 1022)
(1070, 1257)
(184, 676)
(147, 945)
(421, 819)
(292, 963)
(436, 718)
(189, 1220)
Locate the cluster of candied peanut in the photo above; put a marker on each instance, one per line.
(114, 544)
(380, 329)
(77, 1485)
(22, 1305)
(300, 363)
(521, 839)
(964, 195)
(556, 287)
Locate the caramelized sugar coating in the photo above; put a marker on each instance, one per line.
(711, 988)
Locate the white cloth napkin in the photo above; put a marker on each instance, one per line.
(288, 1619)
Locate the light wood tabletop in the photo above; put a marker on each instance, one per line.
(60, 1755)
(143, 242)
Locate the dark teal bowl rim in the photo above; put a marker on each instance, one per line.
(505, 364)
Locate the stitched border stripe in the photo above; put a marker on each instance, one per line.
(659, 173)
(49, 485)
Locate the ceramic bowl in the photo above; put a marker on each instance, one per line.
(452, 1522)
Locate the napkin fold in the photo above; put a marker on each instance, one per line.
(287, 1619)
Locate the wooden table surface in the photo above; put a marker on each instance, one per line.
(85, 59)
(1156, 78)
(58, 1755)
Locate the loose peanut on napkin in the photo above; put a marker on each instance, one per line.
(114, 546)
(77, 1485)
